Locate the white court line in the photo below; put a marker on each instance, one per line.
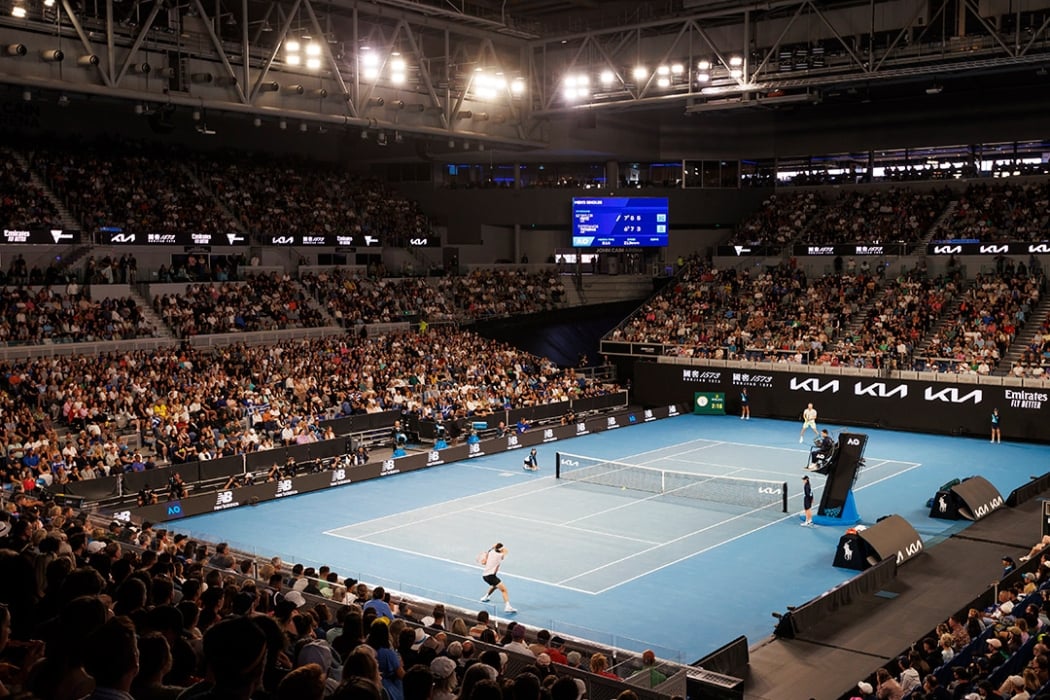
(539, 521)
(457, 563)
(454, 500)
(525, 492)
(718, 544)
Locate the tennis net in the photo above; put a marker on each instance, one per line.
(752, 493)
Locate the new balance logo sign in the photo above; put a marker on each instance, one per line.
(879, 390)
(475, 448)
(123, 516)
(947, 249)
(338, 475)
(953, 395)
(223, 497)
(994, 249)
(814, 385)
(512, 441)
(284, 485)
(122, 238)
(388, 467)
(581, 428)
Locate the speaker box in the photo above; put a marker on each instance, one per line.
(892, 536)
(973, 498)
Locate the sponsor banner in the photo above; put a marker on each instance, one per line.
(973, 248)
(701, 376)
(315, 481)
(180, 238)
(860, 249)
(327, 240)
(650, 349)
(40, 236)
(424, 242)
(709, 403)
(900, 404)
(740, 251)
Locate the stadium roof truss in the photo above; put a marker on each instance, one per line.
(449, 69)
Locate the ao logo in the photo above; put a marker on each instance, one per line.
(175, 509)
(223, 497)
(338, 475)
(123, 516)
(853, 441)
(388, 466)
(284, 485)
(548, 433)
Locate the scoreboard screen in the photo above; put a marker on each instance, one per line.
(619, 222)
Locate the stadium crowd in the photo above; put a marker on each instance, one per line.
(998, 652)
(23, 204)
(1004, 211)
(979, 329)
(123, 612)
(778, 315)
(124, 186)
(262, 302)
(780, 219)
(196, 404)
(354, 299)
(893, 215)
(289, 196)
(31, 316)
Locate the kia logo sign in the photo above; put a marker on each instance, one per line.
(994, 249)
(947, 249)
(879, 390)
(814, 385)
(953, 395)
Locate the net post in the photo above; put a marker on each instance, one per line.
(784, 492)
(557, 465)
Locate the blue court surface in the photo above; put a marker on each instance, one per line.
(621, 567)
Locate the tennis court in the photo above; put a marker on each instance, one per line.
(621, 566)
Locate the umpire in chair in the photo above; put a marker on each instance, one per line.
(822, 454)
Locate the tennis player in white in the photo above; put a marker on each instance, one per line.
(492, 562)
(809, 420)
